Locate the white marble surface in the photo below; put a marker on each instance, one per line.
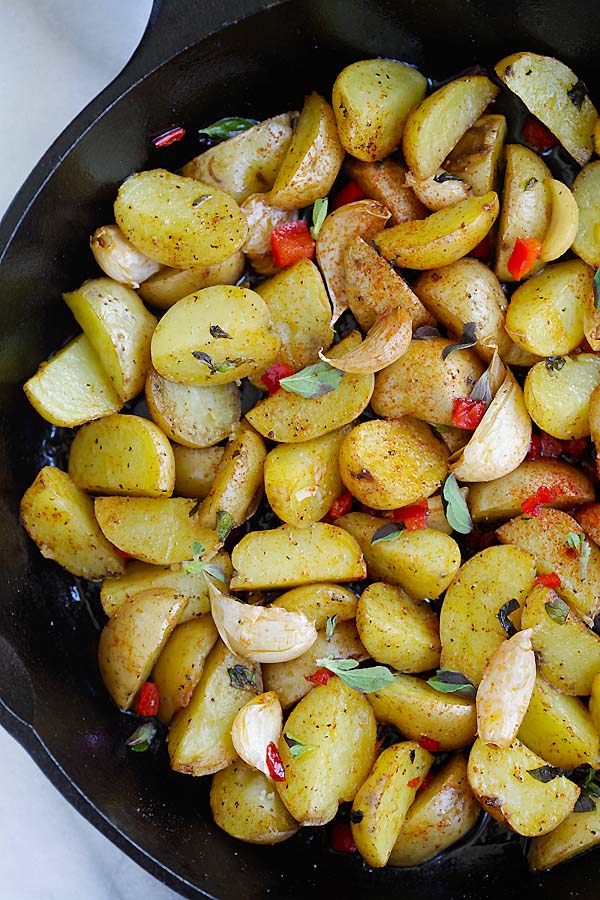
(56, 56)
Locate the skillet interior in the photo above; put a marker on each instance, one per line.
(48, 632)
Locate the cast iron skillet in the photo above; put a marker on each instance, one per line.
(192, 67)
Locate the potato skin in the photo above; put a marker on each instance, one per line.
(246, 806)
(479, 154)
(238, 481)
(179, 666)
(385, 181)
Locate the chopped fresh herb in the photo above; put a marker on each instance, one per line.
(231, 364)
(204, 358)
(217, 332)
(577, 93)
(197, 550)
(446, 176)
(228, 127)
(243, 678)
(585, 776)
(200, 199)
(387, 532)
(597, 289)
(575, 541)
(555, 363)
(578, 543)
(441, 429)
(365, 680)
(319, 214)
(297, 748)
(225, 524)
(195, 508)
(546, 773)
(197, 567)
(467, 339)
(482, 389)
(504, 612)
(557, 610)
(529, 184)
(314, 381)
(142, 737)
(426, 333)
(584, 804)
(455, 506)
(452, 683)
(214, 571)
(330, 625)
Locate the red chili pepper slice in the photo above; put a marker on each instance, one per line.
(525, 253)
(149, 699)
(483, 250)
(414, 517)
(348, 194)
(430, 744)
(291, 242)
(123, 553)
(169, 137)
(533, 505)
(414, 782)
(274, 763)
(426, 782)
(321, 676)
(467, 413)
(538, 136)
(273, 376)
(339, 507)
(550, 581)
(341, 837)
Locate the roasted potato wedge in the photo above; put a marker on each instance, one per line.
(594, 702)
(439, 190)
(245, 805)
(320, 602)
(479, 155)
(558, 392)
(385, 181)
(195, 470)
(586, 190)
(580, 831)
(589, 519)
(170, 285)
(181, 662)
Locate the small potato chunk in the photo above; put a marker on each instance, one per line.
(424, 384)
(195, 470)
(179, 222)
(437, 124)
(594, 703)
(580, 831)
(284, 557)
(181, 662)
(526, 206)
(385, 181)
(122, 455)
(119, 259)
(193, 415)
(313, 159)
(245, 804)
(442, 813)
(262, 221)
(557, 394)
(390, 464)
(131, 641)
(238, 481)
(559, 728)
(501, 782)
(418, 710)
(157, 530)
(170, 285)
(423, 563)
(544, 85)
(439, 190)
(319, 602)
(194, 326)
(73, 387)
(478, 155)
(398, 631)
(441, 238)
(303, 480)
(384, 799)
(501, 499)
(119, 328)
(338, 726)
(371, 100)
(545, 315)
(470, 629)
(589, 519)
(289, 418)
(60, 519)
(586, 190)
(200, 735)
(248, 162)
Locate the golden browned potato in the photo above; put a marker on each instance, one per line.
(170, 285)
(246, 806)
(371, 100)
(594, 419)
(589, 519)
(181, 662)
(122, 455)
(195, 469)
(338, 728)
(580, 831)
(385, 181)
(119, 259)
(177, 221)
(131, 641)
(439, 190)
(478, 156)
(586, 190)
(558, 392)
(398, 631)
(594, 703)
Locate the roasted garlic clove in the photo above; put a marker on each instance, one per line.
(387, 340)
(119, 259)
(564, 221)
(439, 190)
(257, 725)
(505, 690)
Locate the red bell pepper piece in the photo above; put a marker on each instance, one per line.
(414, 517)
(274, 763)
(273, 376)
(547, 447)
(535, 447)
(291, 242)
(551, 581)
(538, 136)
(414, 782)
(430, 744)
(340, 507)
(321, 676)
(467, 413)
(525, 253)
(169, 137)
(341, 837)
(348, 194)
(575, 447)
(483, 250)
(123, 553)
(147, 704)
(426, 782)
(533, 505)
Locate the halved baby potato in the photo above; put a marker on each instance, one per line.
(580, 831)
(181, 662)
(478, 156)
(319, 602)
(170, 285)
(558, 392)
(586, 190)
(246, 806)
(195, 470)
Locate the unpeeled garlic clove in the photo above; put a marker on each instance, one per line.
(435, 195)
(256, 725)
(387, 340)
(505, 690)
(119, 259)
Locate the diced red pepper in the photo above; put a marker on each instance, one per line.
(575, 447)
(552, 448)
(533, 505)
(426, 782)
(274, 763)
(291, 242)
(535, 447)
(550, 581)
(123, 553)
(430, 744)
(525, 253)
(340, 507)
(538, 136)
(149, 699)
(321, 676)
(348, 194)
(467, 413)
(169, 137)
(414, 782)
(414, 516)
(483, 250)
(274, 374)
(547, 447)
(341, 837)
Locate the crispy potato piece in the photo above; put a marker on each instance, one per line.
(418, 710)
(288, 679)
(390, 464)
(248, 162)
(73, 387)
(200, 735)
(544, 536)
(478, 156)
(195, 470)
(289, 418)
(313, 159)
(580, 831)
(157, 530)
(500, 779)
(251, 345)
(122, 455)
(181, 662)
(384, 799)
(526, 206)
(238, 481)
(262, 221)
(119, 259)
(177, 221)
(443, 812)
(245, 805)
(190, 414)
(170, 285)
(59, 518)
(586, 190)
(303, 480)
(131, 641)
(543, 84)
(339, 727)
(285, 557)
(423, 384)
(371, 100)
(423, 563)
(385, 181)
(398, 631)
(589, 519)
(558, 395)
(441, 238)
(320, 602)
(437, 124)
(559, 728)
(470, 629)
(493, 501)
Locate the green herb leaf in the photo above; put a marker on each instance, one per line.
(204, 358)
(426, 333)
(577, 93)
(529, 184)
(482, 389)
(546, 773)
(217, 332)
(557, 610)
(555, 363)
(441, 429)
(504, 612)
(214, 571)
(446, 176)
(197, 550)
(365, 680)
(314, 381)
(584, 804)
(597, 289)
(225, 524)
(243, 678)
(197, 567)
(228, 127)
(467, 339)
(455, 506)
(297, 748)
(231, 364)
(142, 737)
(584, 558)
(585, 776)
(330, 626)
(387, 532)
(319, 214)
(575, 541)
(452, 683)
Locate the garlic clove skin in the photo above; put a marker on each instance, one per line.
(505, 690)
(387, 340)
(256, 725)
(119, 259)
